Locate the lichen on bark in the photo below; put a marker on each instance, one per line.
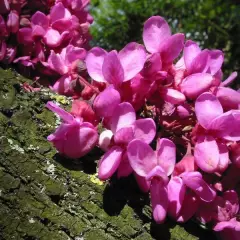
(45, 196)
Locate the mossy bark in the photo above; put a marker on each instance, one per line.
(44, 196)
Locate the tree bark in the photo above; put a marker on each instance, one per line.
(45, 196)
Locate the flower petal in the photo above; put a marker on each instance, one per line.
(172, 96)
(145, 130)
(106, 102)
(229, 98)
(124, 168)
(143, 184)
(40, 19)
(57, 63)
(207, 108)
(112, 69)
(223, 157)
(232, 224)
(176, 193)
(132, 58)
(194, 181)
(171, 48)
(66, 116)
(216, 61)
(110, 162)
(53, 38)
(159, 200)
(195, 84)
(200, 63)
(59, 12)
(141, 157)
(80, 141)
(190, 51)
(24, 35)
(74, 53)
(94, 62)
(187, 212)
(206, 154)
(62, 86)
(227, 126)
(124, 135)
(166, 155)
(123, 116)
(155, 31)
(159, 173)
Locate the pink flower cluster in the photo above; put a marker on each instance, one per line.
(168, 118)
(48, 39)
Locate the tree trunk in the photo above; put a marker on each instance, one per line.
(46, 196)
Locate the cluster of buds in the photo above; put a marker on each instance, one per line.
(46, 39)
(168, 95)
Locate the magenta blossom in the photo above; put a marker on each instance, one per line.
(113, 67)
(74, 137)
(51, 29)
(64, 64)
(201, 69)
(197, 61)
(184, 190)
(157, 39)
(124, 128)
(210, 153)
(223, 212)
(155, 167)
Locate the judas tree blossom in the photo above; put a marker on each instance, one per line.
(197, 71)
(74, 137)
(64, 64)
(157, 39)
(51, 29)
(155, 167)
(187, 188)
(211, 152)
(124, 128)
(113, 67)
(223, 213)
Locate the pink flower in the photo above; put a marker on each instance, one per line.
(185, 190)
(197, 61)
(211, 155)
(224, 211)
(113, 67)
(64, 64)
(13, 22)
(124, 128)
(155, 167)
(51, 29)
(228, 229)
(74, 137)
(157, 39)
(201, 69)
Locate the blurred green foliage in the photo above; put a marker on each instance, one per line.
(214, 24)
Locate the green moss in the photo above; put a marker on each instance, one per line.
(97, 234)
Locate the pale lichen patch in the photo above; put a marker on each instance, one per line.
(15, 146)
(31, 220)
